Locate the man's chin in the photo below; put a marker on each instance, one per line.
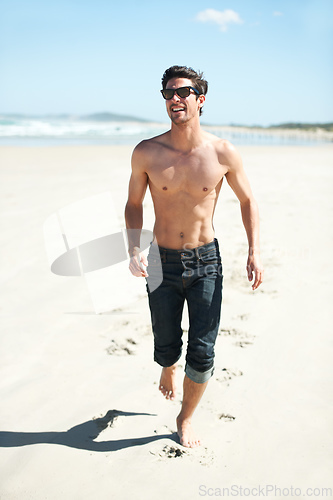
(177, 119)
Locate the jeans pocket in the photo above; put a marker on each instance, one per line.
(210, 257)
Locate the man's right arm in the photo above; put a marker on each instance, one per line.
(134, 210)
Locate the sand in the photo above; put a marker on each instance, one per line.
(82, 417)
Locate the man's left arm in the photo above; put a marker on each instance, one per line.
(239, 183)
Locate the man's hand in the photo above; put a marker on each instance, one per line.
(138, 263)
(255, 268)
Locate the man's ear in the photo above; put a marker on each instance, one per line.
(201, 100)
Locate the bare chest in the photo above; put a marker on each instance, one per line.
(194, 175)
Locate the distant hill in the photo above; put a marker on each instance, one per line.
(111, 117)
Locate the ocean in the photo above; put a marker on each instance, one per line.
(50, 131)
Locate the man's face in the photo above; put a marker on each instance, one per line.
(182, 109)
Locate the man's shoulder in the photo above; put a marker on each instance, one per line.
(221, 145)
(226, 151)
(148, 151)
(148, 146)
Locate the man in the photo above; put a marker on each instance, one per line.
(184, 169)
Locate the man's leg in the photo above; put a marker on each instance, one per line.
(203, 278)
(166, 304)
(191, 398)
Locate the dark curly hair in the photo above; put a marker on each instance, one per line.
(197, 78)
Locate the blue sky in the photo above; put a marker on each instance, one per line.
(266, 61)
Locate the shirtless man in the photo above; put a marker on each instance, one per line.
(184, 169)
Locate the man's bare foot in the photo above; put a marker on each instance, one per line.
(186, 434)
(167, 382)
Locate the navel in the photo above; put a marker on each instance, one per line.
(164, 188)
(205, 189)
(181, 235)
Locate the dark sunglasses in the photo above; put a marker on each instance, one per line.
(181, 92)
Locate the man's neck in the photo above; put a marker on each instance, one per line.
(186, 136)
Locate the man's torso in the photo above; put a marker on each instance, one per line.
(184, 188)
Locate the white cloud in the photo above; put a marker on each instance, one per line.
(222, 18)
(277, 13)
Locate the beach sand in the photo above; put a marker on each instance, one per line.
(82, 417)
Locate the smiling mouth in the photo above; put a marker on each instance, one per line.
(177, 110)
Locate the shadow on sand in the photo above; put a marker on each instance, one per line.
(82, 436)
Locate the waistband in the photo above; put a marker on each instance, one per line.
(186, 253)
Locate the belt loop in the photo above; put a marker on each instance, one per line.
(163, 255)
(197, 253)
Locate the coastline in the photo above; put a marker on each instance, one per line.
(50, 131)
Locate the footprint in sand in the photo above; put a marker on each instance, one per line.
(123, 349)
(226, 417)
(243, 343)
(172, 452)
(231, 332)
(199, 455)
(224, 375)
(245, 339)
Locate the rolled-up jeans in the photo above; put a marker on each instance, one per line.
(194, 275)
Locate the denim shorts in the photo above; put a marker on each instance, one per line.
(194, 275)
